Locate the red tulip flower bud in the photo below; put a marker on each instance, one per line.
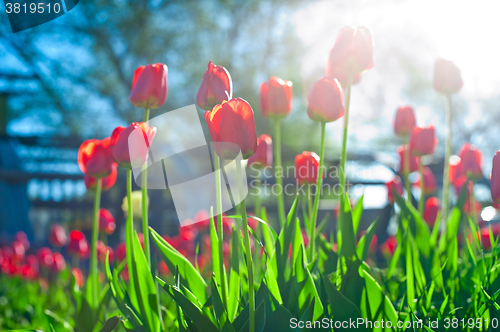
(389, 246)
(326, 101)
(471, 162)
(102, 251)
(447, 78)
(18, 250)
(162, 268)
(495, 178)
(423, 141)
(414, 160)
(77, 244)
(276, 98)
(107, 182)
(351, 54)
(404, 121)
(306, 168)
(106, 222)
(135, 154)
(45, 257)
(431, 211)
(23, 239)
(215, 88)
(263, 156)
(57, 236)
(59, 263)
(394, 185)
(149, 87)
(77, 273)
(121, 251)
(94, 158)
(430, 185)
(32, 261)
(232, 122)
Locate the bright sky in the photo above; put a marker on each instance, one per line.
(465, 32)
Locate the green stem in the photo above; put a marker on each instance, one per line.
(343, 162)
(277, 165)
(309, 204)
(130, 212)
(258, 203)
(94, 268)
(144, 183)
(447, 154)
(318, 193)
(246, 239)
(219, 229)
(422, 187)
(406, 171)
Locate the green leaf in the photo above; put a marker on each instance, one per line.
(202, 323)
(220, 311)
(260, 319)
(234, 278)
(364, 243)
(348, 241)
(341, 309)
(145, 287)
(190, 277)
(214, 252)
(356, 214)
(268, 234)
(111, 324)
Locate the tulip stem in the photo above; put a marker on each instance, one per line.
(246, 239)
(343, 158)
(422, 188)
(94, 268)
(309, 204)
(447, 154)
(278, 170)
(406, 170)
(219, 229)
(144, 203)
(312, 223)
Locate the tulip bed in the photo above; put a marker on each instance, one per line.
(248, 270)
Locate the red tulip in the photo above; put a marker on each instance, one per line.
(232, 122)
(471, 163)
(45, 257)
(107, 182)
(27, 272)
(414, 160)
(215, 88)
(431, 210)
(263, 156)
(394, 184)
(57, 236)
(404, 121)
(77, 244)
(484, 235)
(162, 268)
(106, 222)
(326, 101)
(136, 154)
(351, 55)
(94, 158)
(77, 273)
(430, 185)
(59, 263)
(495, 178)
(18, 250)
(149, 87)
(23, 239)
(276, 98)
(121, 251)
(447, 78)
(102, 250)
(389, 246)
(306, 168)
(423, 141)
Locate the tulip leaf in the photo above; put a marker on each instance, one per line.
(202, 323)
(220, 311)
(145, 287)
(356, 214)
(111, 324)
(234, 278)
(190, 277)
(364, 243)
